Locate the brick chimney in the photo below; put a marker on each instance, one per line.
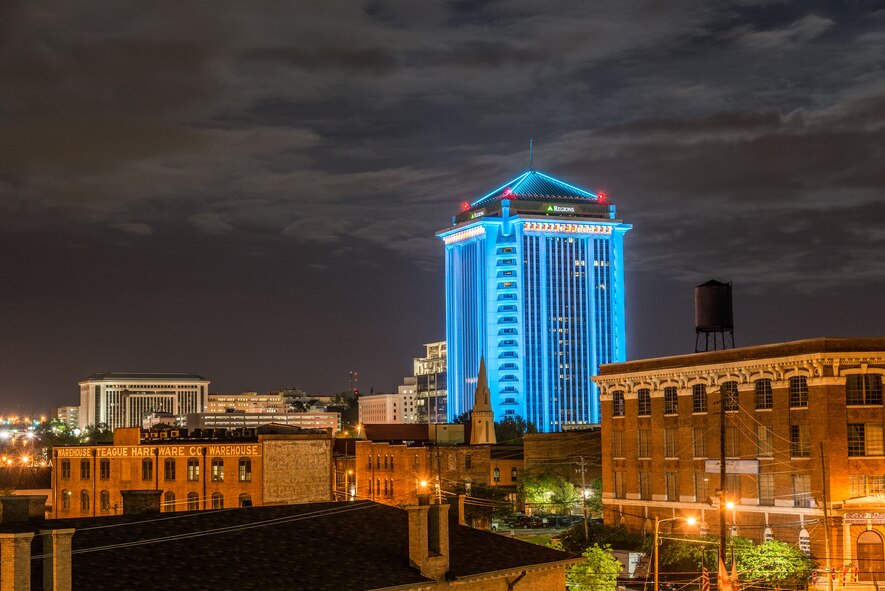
(15, 555)
(57, 559)
(429, 538)
(139, 502)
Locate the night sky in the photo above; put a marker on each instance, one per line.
(250, 191)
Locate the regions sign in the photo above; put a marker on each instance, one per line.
(561, 209)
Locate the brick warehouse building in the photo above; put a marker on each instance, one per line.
(273, 465)
(803, 426)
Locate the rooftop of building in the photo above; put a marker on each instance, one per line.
(533, 185)
(125, 375)
(319, 546)
(821, 345)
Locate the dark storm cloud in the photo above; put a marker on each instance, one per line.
(274, 174)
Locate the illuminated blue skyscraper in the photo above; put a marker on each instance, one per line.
(535, 283)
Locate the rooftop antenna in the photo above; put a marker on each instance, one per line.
(531, 156)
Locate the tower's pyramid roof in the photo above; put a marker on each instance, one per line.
(533, 185)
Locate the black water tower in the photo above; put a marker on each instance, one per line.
(713, 318)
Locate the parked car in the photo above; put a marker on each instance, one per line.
(526, 522)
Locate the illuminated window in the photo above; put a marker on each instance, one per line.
(193, 469)
(217, 469)
(699, 398)
(802, 490)
(245, 470)
(65, 500)
(147, 469)
(671, 400)
(865, 439)
(85, 469)
(104, 469)
(513, 474)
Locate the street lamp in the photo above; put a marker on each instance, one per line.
(658, 522)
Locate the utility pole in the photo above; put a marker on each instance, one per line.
(582, 468)
(823, 475)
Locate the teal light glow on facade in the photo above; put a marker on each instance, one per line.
(535, 283)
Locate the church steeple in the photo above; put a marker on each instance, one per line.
(482, 431)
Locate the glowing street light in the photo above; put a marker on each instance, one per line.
(658, 522)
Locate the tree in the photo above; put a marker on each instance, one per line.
(548, 491)
(594, 500)
(598, 572)
(464, 418)
(511, 430)
(774, 564)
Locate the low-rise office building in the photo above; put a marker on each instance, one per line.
(212, 469)
(803, 442)
(399, 408)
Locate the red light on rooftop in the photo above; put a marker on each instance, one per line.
(508, 191)
(602, 196)
(465, 206)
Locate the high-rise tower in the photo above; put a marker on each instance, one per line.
(535, 284)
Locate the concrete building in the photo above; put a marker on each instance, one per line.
(431, 383)
(534, 275)
(247, 402)
(120, 399)
(270, 465)
(803, 426)
(399, 408)
(69, 415)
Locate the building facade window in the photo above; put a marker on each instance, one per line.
(147, 469)
(799, 444)
(193, 469)
(865, 439)
(700, 487)
(618, 403)
(733, 486)
(245, 500)
(766, 489)
(65, 469)
(496, 475)
(65, 500)
(699, 442)
(104, 501)
(217, 501)
(217, 469)
(617, 444)
(643, 402)
(643, 448)
(84, 501)
(193, 501)
(762, 394)
(513, 474)
(798, 392)
(802, 491)
(671, 400)
(618, 485)
(699, 398)
(245, 470)
(671, 443)
(168, 501)
(671, 481)
(863, 485)
(645, 485)
(104, 469)
(764, 441)
(730, 396)
(732, 442)
(863, 389)
(85, 469)
(169, 469)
